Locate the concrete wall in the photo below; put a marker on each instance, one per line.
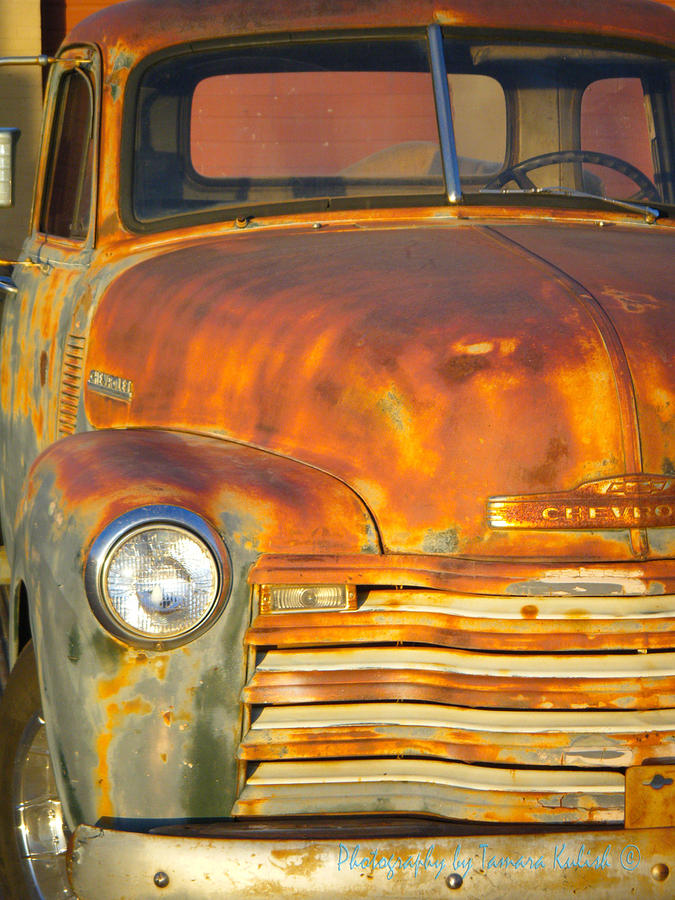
(20, 106)
(28, 28)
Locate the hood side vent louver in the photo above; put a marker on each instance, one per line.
(71, 383)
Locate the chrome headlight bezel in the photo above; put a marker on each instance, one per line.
(122, 529)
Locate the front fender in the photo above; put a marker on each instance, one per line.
(144, 734)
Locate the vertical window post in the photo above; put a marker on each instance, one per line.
(444, 115)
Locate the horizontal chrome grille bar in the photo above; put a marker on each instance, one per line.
(512, 623)
(494, 721)
(591, 739)
(460, 678)
(433, 787)
(506, 577)
(661, 665)
(399, 704)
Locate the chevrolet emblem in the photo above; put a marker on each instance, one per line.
(625, 501)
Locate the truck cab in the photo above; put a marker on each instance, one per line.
(337, 456)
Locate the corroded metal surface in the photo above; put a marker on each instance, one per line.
(346, 397)
(433, 787)
(606, 739)
(173, 713)
(517, 577)
(598, 865)
(489, 680)
(398, 406)
(638, 19)
(649, 796)
(586, 710)
(474, 622)
(638, 501)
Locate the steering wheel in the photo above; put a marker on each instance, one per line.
(518, 172)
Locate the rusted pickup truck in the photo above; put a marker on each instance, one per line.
(338, 456)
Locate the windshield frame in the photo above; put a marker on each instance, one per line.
(451, 194)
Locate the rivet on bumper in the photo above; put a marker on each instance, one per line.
(660, 872)
(454, 881)
(161, 879)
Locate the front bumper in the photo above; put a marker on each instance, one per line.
(613, 864)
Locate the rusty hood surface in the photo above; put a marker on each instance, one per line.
(429, 367)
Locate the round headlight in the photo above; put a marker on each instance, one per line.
(156, 581)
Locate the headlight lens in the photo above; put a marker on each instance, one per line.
(160, 581)
(157, 576)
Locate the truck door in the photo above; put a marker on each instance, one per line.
(54, 259)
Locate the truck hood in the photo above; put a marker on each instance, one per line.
(431, 368)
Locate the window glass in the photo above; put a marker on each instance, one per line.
(350, 121)
(67, 199)
(309, 123)
(352, 118)
(614, 121)
(479, 119)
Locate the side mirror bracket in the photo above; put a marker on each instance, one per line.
(8, 286)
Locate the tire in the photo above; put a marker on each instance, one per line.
(31, 867)
(4, 638)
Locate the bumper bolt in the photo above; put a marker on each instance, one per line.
(454, 881)
(660, 872)
(161, 879)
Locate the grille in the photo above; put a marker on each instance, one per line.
(71, 383)
(481, 709)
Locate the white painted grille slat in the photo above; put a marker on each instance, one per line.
(428, 715)
(431, 659)
(566, 608)
(433, 787)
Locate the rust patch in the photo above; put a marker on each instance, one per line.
(329, 391)
(529, 611)
(460, 368)
(456, 688)
(305, 861)
(43, 368)
(530, 356)
(116, 713)
(127, 675)
(546, 471)
(632, 303)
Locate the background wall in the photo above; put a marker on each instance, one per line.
(20, 102)
(28, 28)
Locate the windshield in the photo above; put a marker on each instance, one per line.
(353, 122)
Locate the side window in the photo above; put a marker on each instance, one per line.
(66, 204)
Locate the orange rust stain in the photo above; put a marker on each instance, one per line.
(546, 471)
(459, 368)
(530, 611)
(116, 713)
(309, 861)
(105, 807)
(168, 717)
(128, 674)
